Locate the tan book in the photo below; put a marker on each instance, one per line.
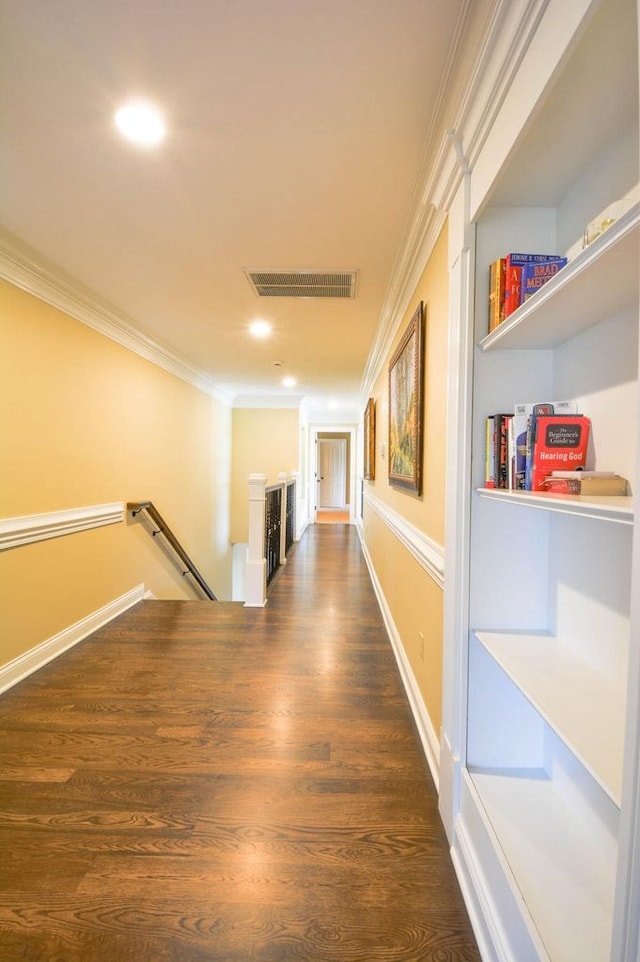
(593, 483)
(496, 293)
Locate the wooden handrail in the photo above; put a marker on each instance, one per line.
(135, 507)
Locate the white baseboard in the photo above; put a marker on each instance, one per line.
(25, 664)
(448, 794)
(428, 737)
(497, 910)
(469, 880)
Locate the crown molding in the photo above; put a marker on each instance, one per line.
(505, 41)
(25, 268)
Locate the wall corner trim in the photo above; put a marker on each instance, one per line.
(427, 552)
(29, 528)
(426, 731)
(25, 664)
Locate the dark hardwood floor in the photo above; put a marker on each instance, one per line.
(200, 782)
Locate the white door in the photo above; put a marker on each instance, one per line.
(332, 472)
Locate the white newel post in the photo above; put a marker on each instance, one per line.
(256, 577)
(282, 478)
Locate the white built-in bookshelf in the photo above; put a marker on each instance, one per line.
(551, 577)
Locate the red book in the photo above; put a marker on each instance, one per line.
(558, 443)
(512, 281)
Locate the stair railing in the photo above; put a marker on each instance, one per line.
(161, 527)
(271, 533)
(273, 529)
(290, 516)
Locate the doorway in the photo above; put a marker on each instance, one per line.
(332, 473)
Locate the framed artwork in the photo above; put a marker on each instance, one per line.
(370, 440)
(405, 408)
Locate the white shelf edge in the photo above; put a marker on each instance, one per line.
(603, 508)
(532, 822)
(586, 260)
(584, 708)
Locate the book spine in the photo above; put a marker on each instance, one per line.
(496, 292)
(511, 454)
(501, 452)
(528, 449)
(490, 454)
(512, 285)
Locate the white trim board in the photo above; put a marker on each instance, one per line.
(474, 891)
(30, 661)
(428, 737)
(30, 528)
(497, 909)
(427, 552)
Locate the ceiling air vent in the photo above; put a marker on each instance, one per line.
(303, 283)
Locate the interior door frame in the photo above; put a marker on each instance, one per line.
(341, 444)
(314, 431)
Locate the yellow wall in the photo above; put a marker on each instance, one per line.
(86, 422)
(265, 441)
(414, 599)
(416, 605)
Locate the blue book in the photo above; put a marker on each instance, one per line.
(534, 276)
(515, 265)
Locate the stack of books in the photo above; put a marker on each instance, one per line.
(524, 448)
(515, 278)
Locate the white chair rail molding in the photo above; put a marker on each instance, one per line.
(30, 528)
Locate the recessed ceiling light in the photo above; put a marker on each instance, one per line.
(288, 382)
(141, 122)
(260, 329)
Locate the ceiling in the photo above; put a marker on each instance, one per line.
(297, 130)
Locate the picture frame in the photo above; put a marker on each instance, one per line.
(406, 374)
(369, 472)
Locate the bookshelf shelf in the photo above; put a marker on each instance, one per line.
(582, 706)
(614, 509)
(570, 897)
(580, 294)
(550, 675)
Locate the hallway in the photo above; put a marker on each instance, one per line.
(203, 782)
